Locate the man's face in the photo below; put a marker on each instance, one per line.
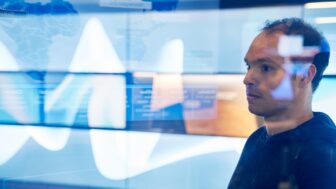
(269, 87)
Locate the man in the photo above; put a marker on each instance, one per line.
(296, 148)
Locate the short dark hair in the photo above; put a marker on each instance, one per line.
(311, 37)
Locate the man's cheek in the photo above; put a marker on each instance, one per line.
(284, 90)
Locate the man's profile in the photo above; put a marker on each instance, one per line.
(296, 148)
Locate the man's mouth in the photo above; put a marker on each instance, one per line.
(252, 96)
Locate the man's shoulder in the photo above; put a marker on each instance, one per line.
(324, 119)
(316, 163)
(319, 143)
(321, 130)
(258, 134)
(254, 140)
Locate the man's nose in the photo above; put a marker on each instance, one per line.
(249, 79)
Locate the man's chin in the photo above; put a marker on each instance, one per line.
(256, 112)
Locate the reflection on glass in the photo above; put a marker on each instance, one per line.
(322, 16)
(215, 104)
(103, 158)
(195, 104)
(73, 70)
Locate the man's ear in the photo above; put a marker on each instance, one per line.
(309, 75)
(311, 72)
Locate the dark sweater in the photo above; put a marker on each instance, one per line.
(305, 157)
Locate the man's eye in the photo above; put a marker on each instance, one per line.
(266, 68)
(248, 67)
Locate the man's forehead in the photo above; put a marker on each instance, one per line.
(264, 46)
(266, 40)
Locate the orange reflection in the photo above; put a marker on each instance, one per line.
(232, 117)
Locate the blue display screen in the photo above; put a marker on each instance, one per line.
(113, 101)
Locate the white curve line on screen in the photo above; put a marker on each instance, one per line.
(128, 153)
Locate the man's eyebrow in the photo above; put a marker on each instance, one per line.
(260, 60)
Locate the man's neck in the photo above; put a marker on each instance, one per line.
(281, 123)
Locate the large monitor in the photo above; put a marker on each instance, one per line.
(169, 103)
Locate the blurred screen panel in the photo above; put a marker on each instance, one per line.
(323, 17)
(174, 43)
(63, 42)
(20, 98)
(324, 99)
(219, 106)
(238, 27)
(169, 103)
(192, 104)
(199, 41)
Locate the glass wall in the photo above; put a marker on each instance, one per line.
(133, 71)
(121, 94)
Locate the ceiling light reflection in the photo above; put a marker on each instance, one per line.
(320, 5)
(325, 20)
